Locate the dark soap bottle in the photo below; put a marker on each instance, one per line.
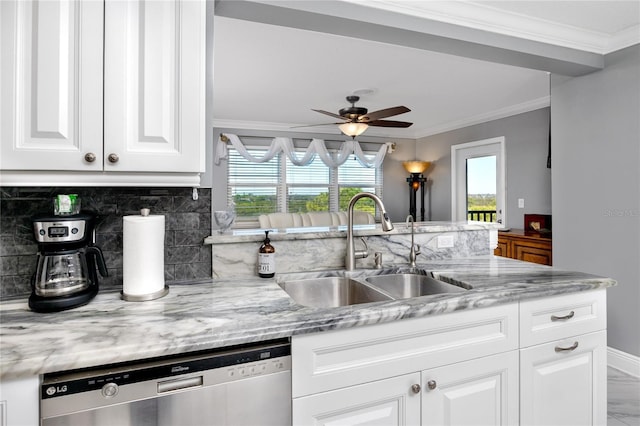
(266, 258)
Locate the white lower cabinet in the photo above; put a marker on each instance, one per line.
(563, 360)
(19, 401)
(482, 391)
(453, 369)
(564, 382)
(389, 402)
(538, 362)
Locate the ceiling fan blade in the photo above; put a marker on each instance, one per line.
(383, 113)
(389, 123)
(330, 114)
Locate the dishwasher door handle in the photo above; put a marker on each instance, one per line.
(173, 385)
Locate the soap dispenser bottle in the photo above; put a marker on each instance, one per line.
(266, 258)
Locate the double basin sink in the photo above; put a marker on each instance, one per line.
(338, 289)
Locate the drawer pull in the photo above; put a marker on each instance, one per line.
(564, 317)
(569, 349)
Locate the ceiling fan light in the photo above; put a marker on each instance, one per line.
(353, 129)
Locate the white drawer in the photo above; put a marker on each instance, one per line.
(334, 359)
(558, 317)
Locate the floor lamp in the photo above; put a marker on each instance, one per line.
(416, 181)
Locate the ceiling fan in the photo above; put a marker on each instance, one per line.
(357, 119)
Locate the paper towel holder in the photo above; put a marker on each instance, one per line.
(145, 297)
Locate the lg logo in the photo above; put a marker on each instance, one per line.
(52, 390)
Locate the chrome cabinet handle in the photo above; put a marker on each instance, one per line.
(569, 349)
(113, 158)
(431, 384)
(90, 157)
(416, 388)
(564, 317)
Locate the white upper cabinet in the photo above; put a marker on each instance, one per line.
(154, 86)
(137, 114)
(51, 85)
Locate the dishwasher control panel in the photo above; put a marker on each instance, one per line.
(227, 366)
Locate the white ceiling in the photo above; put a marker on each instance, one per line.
(269, 77)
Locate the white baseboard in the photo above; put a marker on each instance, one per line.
(623, 361)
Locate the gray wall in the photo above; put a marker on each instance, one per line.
(596, 184)
(526, 148)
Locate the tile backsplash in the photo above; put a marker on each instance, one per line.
(187, 223)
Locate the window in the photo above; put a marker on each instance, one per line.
(280, 186)
(478, 180)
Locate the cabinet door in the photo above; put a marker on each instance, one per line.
(154, 85)
(482, 391)
(19, 401)
(51, 85)
(502, 249)
(532, 252)
(385, 402)
(564, 382)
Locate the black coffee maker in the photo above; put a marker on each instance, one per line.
(68, 262)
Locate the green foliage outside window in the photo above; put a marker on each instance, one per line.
(481, 202)
(248, 204)
(253, 205)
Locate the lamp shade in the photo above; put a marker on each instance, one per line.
(353, 129)
(416, 166)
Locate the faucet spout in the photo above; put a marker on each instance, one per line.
(352, 254)
(415, 248)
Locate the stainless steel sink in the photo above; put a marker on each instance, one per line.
(329, 292)
(405, 285)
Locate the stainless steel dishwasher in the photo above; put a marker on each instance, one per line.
(249, 385)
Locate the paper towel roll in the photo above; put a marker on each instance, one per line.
(142, 255)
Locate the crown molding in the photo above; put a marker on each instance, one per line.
(487, 116)
(380, 132)
(495, 20)
(623, 39)
(270, 126)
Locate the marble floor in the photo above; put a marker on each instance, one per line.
(623, 407)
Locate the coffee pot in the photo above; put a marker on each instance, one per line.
(68, 262)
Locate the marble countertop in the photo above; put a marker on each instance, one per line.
(216, 313)
(315, 232)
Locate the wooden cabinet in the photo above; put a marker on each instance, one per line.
(563, 367)
(137, 117)
(521, 245)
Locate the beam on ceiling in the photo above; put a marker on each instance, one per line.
(367, 23)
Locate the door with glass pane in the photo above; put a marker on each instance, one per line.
(478, 183)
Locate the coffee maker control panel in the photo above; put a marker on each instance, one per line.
(59, 232)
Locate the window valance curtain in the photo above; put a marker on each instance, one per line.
(317, 147)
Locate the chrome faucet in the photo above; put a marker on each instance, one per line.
(352, 253)
(415, 248)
